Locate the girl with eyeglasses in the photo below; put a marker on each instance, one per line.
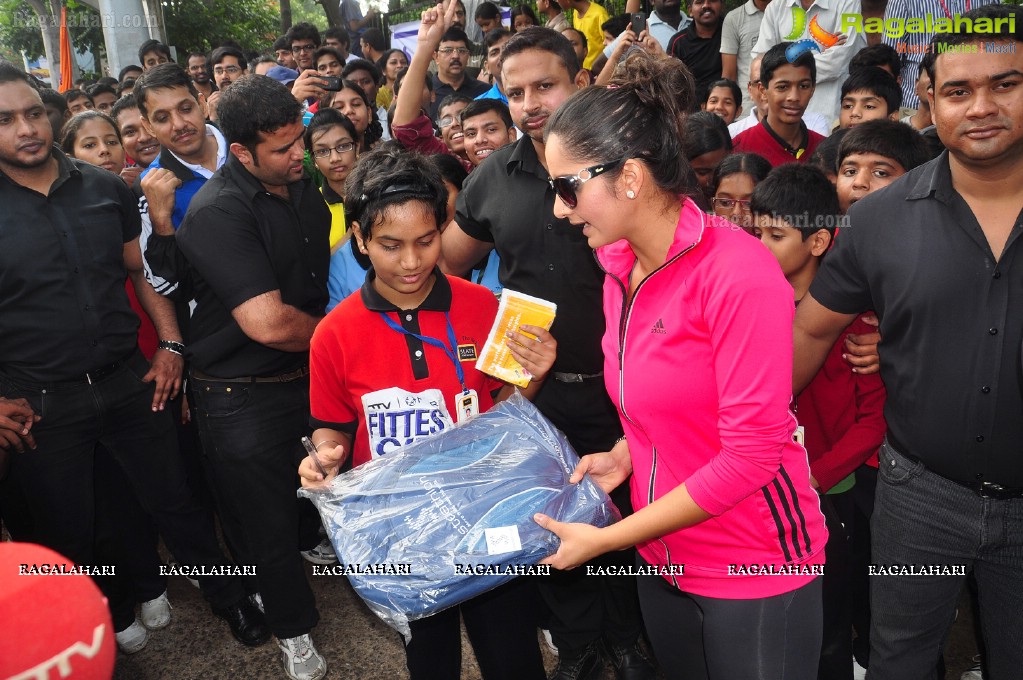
(352, 101)
(732, 184)
(396, 352)
(698, 361)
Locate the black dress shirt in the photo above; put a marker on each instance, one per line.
(950, 322)
(64, 310)
(508, 201)
(240, 241)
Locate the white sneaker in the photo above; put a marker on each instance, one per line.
(549, 641)
(301, 660)
(859, 672)
(974, 671)
(133, 638)
(321, 554)
(156, 613)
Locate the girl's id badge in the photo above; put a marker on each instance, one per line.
(467, 404)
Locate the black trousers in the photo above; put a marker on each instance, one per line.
(501, 625)
(57, 479)
(584, 609)
(250, 435)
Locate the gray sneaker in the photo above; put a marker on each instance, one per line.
(156, 613)
(133, 638)
(301, 660)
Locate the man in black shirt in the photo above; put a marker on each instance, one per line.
(255, 244)
(937, 255)
(452, 57)
(699, 44)
(507, 204)
(68, 346)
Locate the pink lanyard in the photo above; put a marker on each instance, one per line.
(944, 8)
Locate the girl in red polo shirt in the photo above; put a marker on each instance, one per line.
(396, 363)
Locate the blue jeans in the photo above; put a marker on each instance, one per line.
(57, 478)
(250, 435)
(921, 518)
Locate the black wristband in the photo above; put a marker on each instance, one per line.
(172, 346)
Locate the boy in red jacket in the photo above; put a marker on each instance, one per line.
(841, 421)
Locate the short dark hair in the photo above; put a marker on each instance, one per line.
(9, 73)
(1003, 30)
(126, 84)
(363, 65)
(617, 24)
(228, 51)
(254, 105)
(164, 76)
(641, 117)
(374, 37)
(281, 44)
(101, 88)
(108, 80)
(480, 106)
(752, 164)
(69, 95)
(392, 176)
(775, 58)
(340, 34)
(453, 98)
(455, 34)
(125, 103)
(825, 156)
(487, 10)
(53, 98)
(705, 132)
(730, 84)
(876, 81)
(126, 70)
(323, 51)
(328, 118)
(195, 54)
(382, 61)
(303, 31)
(887, 138)
(544, 40)
(524, 10)
(262, 60)
(926, 65)
(494, 35)
(799, 194)
(153, 46)
(449, 168)
(69, 132)
(880, 56)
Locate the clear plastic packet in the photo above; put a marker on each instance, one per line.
(416, 528)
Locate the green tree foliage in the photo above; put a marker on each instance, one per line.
(20, 29)
(203, 24)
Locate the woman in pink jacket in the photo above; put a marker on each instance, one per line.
(698, 359)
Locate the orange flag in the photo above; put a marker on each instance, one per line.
(65, 53)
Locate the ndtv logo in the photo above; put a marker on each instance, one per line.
(818, 41)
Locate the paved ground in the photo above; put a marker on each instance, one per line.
(358, 646)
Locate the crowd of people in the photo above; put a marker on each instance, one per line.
(783, 263)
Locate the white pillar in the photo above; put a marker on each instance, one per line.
(125, 27)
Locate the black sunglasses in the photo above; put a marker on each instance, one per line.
(567, 186)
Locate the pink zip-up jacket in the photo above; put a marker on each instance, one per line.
(699, 364)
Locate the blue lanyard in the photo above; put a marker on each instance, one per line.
(436, 343)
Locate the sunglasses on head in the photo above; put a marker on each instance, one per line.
(566, 187)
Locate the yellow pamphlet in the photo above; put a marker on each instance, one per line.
(516, 309)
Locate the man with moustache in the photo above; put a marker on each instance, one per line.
(452, 56)
(698, 45)
(68, 346)
(228, 64)
(255, 249)
(937, 255)
(199, 71)
(507, 205)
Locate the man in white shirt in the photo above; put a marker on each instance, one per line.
(832, 62)
(738, 38)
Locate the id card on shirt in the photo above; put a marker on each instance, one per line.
(396, 417)
(467, 405)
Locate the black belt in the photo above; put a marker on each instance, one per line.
(576, 377)
(87, 378)
(982, 489)
(282, 378)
